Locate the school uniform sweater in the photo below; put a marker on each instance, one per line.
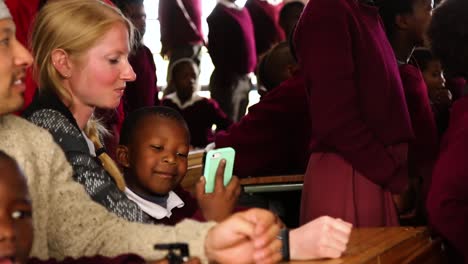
(265, 18)
(175, 28)
(200, 114)
(447, 202)
(273, 137)
(231, 40)
(143, 91)
(356, 100)
(359, 118)
(66, 221)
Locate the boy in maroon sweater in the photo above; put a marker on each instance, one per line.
(200, 113)
(231, 44)
(406, 24)
(359, 118)
(153, 150)
(447, 202)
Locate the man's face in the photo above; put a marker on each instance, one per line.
(14, 59)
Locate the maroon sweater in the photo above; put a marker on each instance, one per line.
(200, 117)
(143, 91)
(265, 20)
(357, 103)
(175, 28)
(447, 202)
(424, 148)
(231, 40)
(273, 137)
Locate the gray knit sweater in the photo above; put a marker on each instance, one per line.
(66, 221)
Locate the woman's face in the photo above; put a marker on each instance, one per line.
(98, 77)
(14, 59)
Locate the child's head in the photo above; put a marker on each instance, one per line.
(184, 77)
(408, 17)
(448, 35)
(153, 150)
(16, 229)
(135, 11)
(276, 66)
(430, 67)
(289, 15)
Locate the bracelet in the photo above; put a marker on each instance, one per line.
(284, 237)
(100, 151)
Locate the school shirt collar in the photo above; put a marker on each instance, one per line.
(230, 4)
(175, 99)
(155, 210)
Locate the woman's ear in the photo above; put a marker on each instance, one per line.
(121, 154)
(62, 63)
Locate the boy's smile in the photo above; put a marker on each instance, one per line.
(157, 156)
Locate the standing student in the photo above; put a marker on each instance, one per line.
(265, 18)
(143, 91)
(406, 24)
(233, 55)
(359, 118)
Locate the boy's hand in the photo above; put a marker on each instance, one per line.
(219, 204)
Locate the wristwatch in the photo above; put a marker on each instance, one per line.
(284, 237)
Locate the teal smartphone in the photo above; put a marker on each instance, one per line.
(212, 159)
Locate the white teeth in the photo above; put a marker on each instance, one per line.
(18, 82)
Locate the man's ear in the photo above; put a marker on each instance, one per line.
(121, 154)
(62, 62)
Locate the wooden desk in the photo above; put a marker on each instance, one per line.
(280, 183)
(388, 245)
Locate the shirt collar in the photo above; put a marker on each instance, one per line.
(155, 210)
(175, 99)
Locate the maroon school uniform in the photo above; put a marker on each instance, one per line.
(175, 28)
(265, 18)
(143, 91)
(424, 148)
(200, 114)
(273, 137)
(447, 202)
(189, 210)
(231, 44)
(359, 118)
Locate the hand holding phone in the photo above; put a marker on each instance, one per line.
(212, 159)
(218, 204)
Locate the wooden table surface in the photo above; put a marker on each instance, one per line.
(388, 245)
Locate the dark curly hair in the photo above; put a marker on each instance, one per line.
(448, 35)
(122, 4)
(132, 121)
(390, 9)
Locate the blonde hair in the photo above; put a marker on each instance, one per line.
(74, 26)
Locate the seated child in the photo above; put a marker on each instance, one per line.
(439, 96)
(200, 113)
(16, 227)
(153, 150)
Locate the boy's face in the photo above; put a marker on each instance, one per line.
(16, 230)
(433, 76)
(157, 156)
(136, 13)
(185, 81)
(420, 19)
(14, 59)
